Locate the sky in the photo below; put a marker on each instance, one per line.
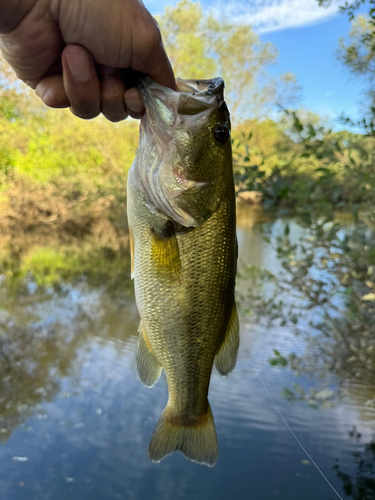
(306, 36)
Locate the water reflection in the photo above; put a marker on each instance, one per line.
(361, 484)
(325, 292)
(76, 421)
(52, 303)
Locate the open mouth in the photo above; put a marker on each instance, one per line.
(166, 111)
(167, 108)
(200, 95)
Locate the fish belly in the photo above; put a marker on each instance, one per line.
(185, 297)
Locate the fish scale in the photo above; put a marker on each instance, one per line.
(184, 268)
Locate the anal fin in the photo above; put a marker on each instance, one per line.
(226, 358)
(149, 369)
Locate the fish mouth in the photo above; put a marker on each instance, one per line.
(166, 111)
(201, 95)
(165, 106)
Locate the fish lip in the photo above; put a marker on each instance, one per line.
(193, 97)
(211, 87)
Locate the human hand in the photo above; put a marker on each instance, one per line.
(81, 53)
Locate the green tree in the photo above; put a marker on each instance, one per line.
(350, 7)
(358, 52)
(200, 46)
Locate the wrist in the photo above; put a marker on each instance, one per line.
(12, 12)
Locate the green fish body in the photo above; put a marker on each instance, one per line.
(182, 221)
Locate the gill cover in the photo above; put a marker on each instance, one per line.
(160, 168)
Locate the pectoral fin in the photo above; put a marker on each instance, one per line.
(148, 367)
(165, 252)
(226, 358)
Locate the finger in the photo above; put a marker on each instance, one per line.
(161, 70)
(133, 103)
(81, 82)
(32, 49)
(112, 89)
(149, 56)
(52, 92)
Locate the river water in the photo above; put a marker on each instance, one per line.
(75, 421)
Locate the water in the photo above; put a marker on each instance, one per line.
(75, 421)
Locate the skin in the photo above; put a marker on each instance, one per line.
(81, 53)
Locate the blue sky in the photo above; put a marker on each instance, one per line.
(307, 38)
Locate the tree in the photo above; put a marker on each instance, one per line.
(200, 46)
(350, 7)
(358, 53)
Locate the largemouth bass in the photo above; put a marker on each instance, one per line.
(182, 221)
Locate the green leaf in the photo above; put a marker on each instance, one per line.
(287, 393)
(299, 390)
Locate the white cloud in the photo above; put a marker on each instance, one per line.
(274, 15)
(263, 15)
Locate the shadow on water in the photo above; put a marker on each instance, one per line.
(75, 420)
(361, 484)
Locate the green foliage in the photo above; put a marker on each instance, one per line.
(278, 360)
(302, 164)
(84, 160)
(48, 266)
(52, 147)
(326, 294)
(315, 400)
(350, 7)
(46, 145)
(200, 46)
(181, 27)
(358, 53)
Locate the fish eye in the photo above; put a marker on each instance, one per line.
(222, 133)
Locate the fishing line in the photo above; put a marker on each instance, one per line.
(291, 431)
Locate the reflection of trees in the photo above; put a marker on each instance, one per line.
(51, 303)
(360, 486)
(32, 360)
(326, 293)
(50, 260)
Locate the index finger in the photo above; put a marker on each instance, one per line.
(149, 55)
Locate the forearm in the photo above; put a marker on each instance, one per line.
(12, 12)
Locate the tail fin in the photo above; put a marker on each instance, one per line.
(198, 442)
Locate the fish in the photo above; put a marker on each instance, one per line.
(182, 230)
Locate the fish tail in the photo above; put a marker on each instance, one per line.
(197, 441)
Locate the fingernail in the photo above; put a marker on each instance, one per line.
(38, 92)
(79, 65)
(133, 101)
